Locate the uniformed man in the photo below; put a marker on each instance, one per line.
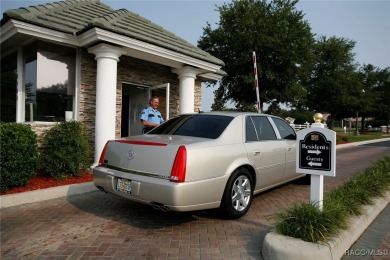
(150, 116)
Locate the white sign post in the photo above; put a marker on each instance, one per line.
(316, 155)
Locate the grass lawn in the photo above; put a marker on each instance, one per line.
(350, 138)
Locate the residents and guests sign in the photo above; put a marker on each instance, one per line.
(316, 151)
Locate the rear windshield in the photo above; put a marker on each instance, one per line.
(205, 126)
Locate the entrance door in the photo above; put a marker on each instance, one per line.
(167, 90)
(134, 99)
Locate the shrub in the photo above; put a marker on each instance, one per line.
(65, 150)
(307, 222)
(342, 138)
(18, 155)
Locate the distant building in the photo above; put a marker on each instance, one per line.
(290, 120)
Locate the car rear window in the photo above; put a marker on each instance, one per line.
(205, 126)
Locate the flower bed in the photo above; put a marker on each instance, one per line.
(43, 182)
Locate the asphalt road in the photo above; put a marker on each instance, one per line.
(102, 226)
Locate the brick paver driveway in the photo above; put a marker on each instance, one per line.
(100, 226)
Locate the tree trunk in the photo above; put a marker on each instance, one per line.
(362, 126)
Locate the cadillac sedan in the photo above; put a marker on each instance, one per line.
(201, 161)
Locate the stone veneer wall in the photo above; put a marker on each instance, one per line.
(130, 70)
(87, 102)
(40, 129)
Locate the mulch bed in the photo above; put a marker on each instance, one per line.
(43, 182)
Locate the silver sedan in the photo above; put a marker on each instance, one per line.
(201, 161)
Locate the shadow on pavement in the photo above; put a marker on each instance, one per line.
(114, 208)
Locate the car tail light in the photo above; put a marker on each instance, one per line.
(101, 160)
(178, 173)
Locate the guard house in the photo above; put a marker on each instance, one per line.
(81, 60)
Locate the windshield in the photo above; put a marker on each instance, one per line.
(205, 126)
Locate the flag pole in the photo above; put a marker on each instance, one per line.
(256, 82)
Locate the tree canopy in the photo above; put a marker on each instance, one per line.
(319, 74)
(282, 40)
(377, 82)
(333, 85)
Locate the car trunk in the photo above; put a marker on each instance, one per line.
(145, 155)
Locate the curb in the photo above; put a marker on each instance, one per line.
(11, 200)
(276, 246)
(361, 143)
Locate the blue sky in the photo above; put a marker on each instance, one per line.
(365, 22)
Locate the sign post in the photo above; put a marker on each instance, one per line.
(316, 155)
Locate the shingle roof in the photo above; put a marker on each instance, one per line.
(78, 16)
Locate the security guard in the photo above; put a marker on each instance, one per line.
(151, 117)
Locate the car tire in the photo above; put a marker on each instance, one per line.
(238, 194)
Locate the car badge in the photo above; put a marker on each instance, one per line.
(130, 154)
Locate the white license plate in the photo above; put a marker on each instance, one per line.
(123, 185)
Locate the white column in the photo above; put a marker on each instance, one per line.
(20, 96)
(76, 99)
(107, 58)
(187, 76)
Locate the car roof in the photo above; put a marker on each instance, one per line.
(228, 113)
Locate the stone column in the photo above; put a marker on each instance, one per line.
(107, 57)
(187, 76)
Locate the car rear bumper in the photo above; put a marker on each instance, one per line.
(186, 196)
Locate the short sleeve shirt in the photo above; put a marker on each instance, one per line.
(151, 115)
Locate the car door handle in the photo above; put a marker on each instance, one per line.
(255, 153)
(289, 148)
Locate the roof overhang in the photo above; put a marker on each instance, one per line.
(14, 29)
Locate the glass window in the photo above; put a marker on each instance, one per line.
(30, 80)
(263, 128)
(8, 88)
(285, 130)
(250, 131)
(49, 81)
(205, 126)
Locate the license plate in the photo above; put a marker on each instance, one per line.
(123, 185)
